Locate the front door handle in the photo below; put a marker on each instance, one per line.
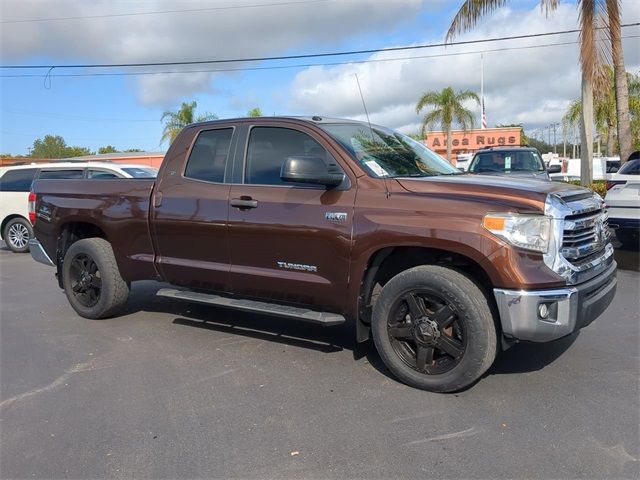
(244, 202)
(157, 199)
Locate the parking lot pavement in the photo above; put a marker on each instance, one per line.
(184, 391)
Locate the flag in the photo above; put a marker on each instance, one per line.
(484, 116)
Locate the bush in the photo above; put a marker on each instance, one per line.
(599, 186)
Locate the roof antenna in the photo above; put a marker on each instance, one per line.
(364, 105)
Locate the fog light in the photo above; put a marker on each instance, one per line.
(543, 310)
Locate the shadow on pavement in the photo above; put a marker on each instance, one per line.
(520, 358)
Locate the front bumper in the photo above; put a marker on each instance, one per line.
(38, 253)
(570, 308)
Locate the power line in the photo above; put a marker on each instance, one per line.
(162, 12)
(294, 57)
(283, 67)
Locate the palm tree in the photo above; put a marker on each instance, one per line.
(174, 122)
(447, 109)
(604, 110)
(625, 138)
(593, 15)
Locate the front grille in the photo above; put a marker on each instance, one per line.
(585, 235)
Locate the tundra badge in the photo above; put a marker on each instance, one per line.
(297, 266)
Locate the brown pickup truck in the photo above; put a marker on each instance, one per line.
(332, 221)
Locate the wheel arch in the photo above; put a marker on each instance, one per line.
(385, 263)
(7, 219)
(69, 233)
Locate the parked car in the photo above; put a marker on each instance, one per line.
(512, 161)
(623, 208)
(630, 171)
(334, 221)
(463, 161)
(15, 182)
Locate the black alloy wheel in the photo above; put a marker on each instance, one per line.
(426, 332)
(86, 281)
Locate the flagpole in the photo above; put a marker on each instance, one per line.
(481, 90)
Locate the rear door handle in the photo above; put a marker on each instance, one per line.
(245, 202)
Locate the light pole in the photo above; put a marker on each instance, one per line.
(555, 142)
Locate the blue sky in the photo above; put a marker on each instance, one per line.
(125, 111)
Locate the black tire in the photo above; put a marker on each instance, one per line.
(92, 281)
(17, 233)
(416, 303)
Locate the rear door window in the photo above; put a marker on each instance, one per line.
(18, 180)
(208, 157)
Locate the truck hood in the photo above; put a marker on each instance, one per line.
(519, 194)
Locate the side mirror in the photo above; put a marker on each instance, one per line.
(308, 169)
(554, 169)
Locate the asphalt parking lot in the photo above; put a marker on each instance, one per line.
(172, 390)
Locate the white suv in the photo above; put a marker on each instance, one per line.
(15, 183)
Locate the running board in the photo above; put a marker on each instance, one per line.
(326, 319)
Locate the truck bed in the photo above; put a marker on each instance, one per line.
(118, 208)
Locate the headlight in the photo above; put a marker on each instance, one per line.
(530, 232)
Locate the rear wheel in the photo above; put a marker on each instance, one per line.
(434, 329)
(91, 278)
(17, 233)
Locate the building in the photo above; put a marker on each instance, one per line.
(470, 141)
(149, 159)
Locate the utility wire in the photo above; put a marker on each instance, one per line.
(162, 12)
(303, 65)
(294, 57)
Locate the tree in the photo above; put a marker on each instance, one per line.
(625, 138)
(447, 109)
(174, 122)
(255, 112)
(55, 147)
(593, 15)
(107, 149)
(605, 112)
(128, 150)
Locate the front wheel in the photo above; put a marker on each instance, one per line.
(434, 329)
(91, 279)
(17, 233)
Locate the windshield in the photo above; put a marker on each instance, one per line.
(385, 153)
(141, 172)
(506, 162)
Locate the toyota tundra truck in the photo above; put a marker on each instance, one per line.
(336, 222)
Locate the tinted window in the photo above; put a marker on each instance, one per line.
(509, 161)
(141, 172)
(61, 174)
(632, 167)
(18, 180)
(101, 174)
(269, 147)
(208, 157)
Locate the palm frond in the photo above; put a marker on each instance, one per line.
(469, 15)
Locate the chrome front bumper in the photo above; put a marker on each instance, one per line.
(569, 308)
(38, 253)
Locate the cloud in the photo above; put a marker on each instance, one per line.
(530, 86)
(212, 34)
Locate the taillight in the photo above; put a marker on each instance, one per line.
(612, 183)
(32, 208)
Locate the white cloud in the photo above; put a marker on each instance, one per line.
(213, 34)
(530, 86)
